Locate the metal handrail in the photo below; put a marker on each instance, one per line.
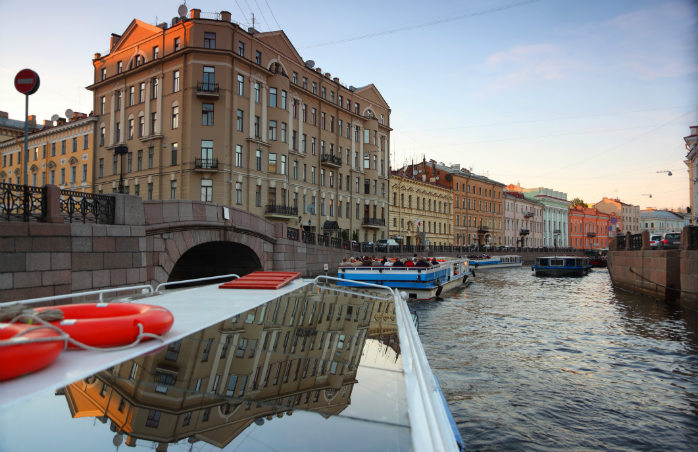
(393, 292)
(188, 281)
(144, 288)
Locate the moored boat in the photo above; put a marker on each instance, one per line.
(561, 266)
(484, 262)
(419, 283)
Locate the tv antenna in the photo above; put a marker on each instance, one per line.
(665, 171)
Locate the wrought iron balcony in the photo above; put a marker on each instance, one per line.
(591, 234)
(528, 214)
(207, 89)
(524, 232)
(202, 164)
(373, 222)
(280, 211)
(331, 160)
(557, 231)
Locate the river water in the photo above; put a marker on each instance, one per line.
(545, 364)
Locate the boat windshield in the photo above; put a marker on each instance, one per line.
(310, 370)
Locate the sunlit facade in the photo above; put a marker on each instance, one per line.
(209, 111)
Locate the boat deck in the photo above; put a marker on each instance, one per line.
(304, 367)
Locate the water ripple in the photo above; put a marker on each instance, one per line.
(546, 364)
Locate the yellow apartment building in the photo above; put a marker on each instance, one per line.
(205, 110)
(60, 154)
(421, 211)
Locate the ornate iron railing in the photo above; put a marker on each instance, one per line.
(373, 222)
(281, 210)
(620, 242)
(323, 239)
(292, 234)
(331, 159)
(22, 202)
(87, 207)
(336, 242)
(308, 237)
(200, 163)
(636, 242)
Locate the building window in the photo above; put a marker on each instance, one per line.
(154, 82)
(258, 160)
(131, 95)
(256, 92)
(207, 152)
(238, 193)
(175, 117)
(209, 40)
(272, 163)
(323, 92)
(176, 44)
(139, 160)
(173, 154)
(314, 88)
(272, 129)
(209, 79)
(305, 82)
(240, 120)
(156, 52)
(104, 73)
(153, 123)
(241, 48)
(141, 126)
(256, 127)
(175, 81)
(258, 196)
(102, 105)
(207, 114)
(119, 67)
(283, 132)
(206, 190)
(238, 155)
(130, 129)
(258, 57)
(153, 419)
(151, 151)
(272, 97)
(117, 100)
(173, 189)
(141, 92)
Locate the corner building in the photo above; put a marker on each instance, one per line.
(212, 112)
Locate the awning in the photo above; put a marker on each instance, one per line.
(329, 225)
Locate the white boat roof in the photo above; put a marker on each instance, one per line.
(319, 369)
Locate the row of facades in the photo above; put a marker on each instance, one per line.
(203, 109)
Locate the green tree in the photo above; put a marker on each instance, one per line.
(578, 202)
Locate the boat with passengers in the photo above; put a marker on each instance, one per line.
(262, 362)
(420, 283)
(484, 261)
(561, 266)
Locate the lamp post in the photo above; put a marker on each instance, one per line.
(120, 150)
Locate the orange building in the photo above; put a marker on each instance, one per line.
(589, 228)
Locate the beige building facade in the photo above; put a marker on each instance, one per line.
(627, 215)
(523, 221)
(421, 212)
(209, 111)
(59, 155)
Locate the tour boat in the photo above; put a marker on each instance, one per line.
(418, 283)
(561, 266)
(487, 262)
(310, 365)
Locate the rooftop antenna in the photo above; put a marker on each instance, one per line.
(69, 113)
(252, 20)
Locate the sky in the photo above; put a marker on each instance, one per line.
(589, 98)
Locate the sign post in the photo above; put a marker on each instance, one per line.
(26, 82)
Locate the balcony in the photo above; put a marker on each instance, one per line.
(373, 223)
(528, 214)
(205, 165)
(280, 211)
(331, 160)
(206, 89)
(483, 230)
(524, 232)
(557, 231)
(591, 234)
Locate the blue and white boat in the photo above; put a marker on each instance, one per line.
(309, 366)
(484, 263)
(561, 266)
(418, 283)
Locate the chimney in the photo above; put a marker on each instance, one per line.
(48, 123)
(225, 16)
(195, 13)
(32, 119)
(114, 39)
(3, 114)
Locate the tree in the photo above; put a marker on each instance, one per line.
(578, 202)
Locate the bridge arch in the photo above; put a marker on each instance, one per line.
(215, 258)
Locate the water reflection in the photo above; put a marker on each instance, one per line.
(301, 351)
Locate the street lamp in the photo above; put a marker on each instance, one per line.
(120, 150)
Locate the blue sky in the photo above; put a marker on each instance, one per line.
(590, 98)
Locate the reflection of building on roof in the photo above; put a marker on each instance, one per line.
(295, 352)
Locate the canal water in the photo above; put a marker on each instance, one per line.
(546, 364)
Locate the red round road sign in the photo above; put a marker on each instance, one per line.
(27, 81)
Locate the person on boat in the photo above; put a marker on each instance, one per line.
(376, 263)
(384, 260)
(422, 262)
(366, 262)
(398, 263)
(345, 263)
(388, 263)
(434, 262)
(409, 262)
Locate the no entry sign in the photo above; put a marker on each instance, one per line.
(27, 81)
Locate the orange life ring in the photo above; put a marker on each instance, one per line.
(111, 324)
(25, 357)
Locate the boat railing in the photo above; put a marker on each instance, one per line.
(143, 289)
(318, 279)
(189, 281)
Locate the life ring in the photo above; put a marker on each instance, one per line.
(26, 356)
(111, 324)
